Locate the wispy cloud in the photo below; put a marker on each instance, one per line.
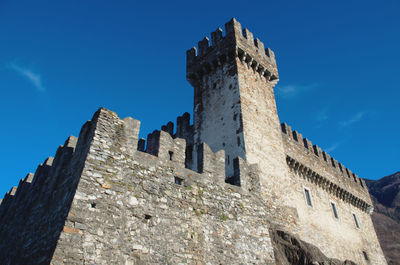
(291, 91)
(355, 118)
(333, 147)
(33, 77)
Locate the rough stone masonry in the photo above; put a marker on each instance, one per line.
(234, 187)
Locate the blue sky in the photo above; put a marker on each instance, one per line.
(62, 60)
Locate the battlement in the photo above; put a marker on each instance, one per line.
(169, 148)
(106, 124)
(306, 152)
(236, 43)
(165, 148)
(183, 128)
(106, 141)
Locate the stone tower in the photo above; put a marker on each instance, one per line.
(234, 103)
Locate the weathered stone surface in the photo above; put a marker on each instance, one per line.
(290, 250)
(111, 198)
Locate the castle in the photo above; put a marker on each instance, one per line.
(210, 192)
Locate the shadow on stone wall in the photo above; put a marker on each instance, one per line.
(290, 250)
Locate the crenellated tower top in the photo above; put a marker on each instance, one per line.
(236, 43)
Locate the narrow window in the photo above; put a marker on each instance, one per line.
(334, 210)
(365, 255)
(178, 181)
(171, 154)
(308, 197)
(356, 221)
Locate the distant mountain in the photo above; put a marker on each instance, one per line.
(385, 195)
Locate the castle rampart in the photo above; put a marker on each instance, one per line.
(105, 180)
(303, 157)
(154, 199)
(209, 192)
(329, 184)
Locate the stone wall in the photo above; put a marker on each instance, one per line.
(111, 198)
(102, 201)
(312, 169)
(132, 207)
(32, 216)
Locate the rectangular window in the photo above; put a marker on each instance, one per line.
(356, 221)
(335, 213)
(308, 197)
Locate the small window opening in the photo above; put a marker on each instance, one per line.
(308, 197)
(178, 181)
(171, 154)
(147, 216)
(228, 160)
(93, 204)
(356, 221)
(365, 255)
(335, 213)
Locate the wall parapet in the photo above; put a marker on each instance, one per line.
(166, 141)
(316, 152)
(323, 182)
(236, 43)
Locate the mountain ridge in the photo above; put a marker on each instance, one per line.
(385, 195)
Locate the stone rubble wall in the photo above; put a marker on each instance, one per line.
(141, 208)
(102, 201)
(32, 216)
(184, 131)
